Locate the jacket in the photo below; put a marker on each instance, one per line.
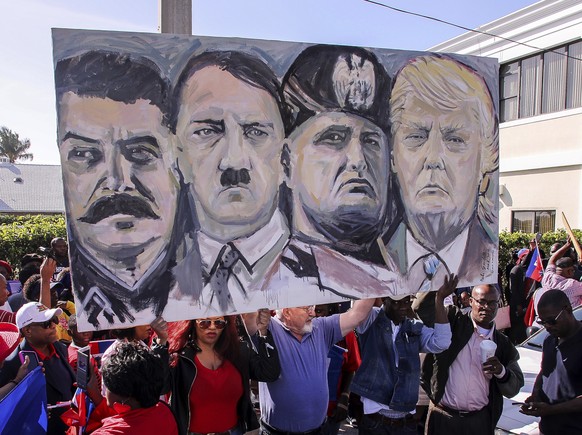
(435, 369)
(57, 389)
(262, 365)
(378, 377)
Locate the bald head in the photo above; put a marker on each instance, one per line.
(554, 299)
(485, 288)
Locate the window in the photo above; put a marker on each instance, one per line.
(533, 221)
(544, 83)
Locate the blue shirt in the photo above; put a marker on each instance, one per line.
(297, 401)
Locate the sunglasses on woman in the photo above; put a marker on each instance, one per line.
(205, 323)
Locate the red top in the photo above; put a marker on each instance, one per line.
(7, 316)
(214, 398)
(155, 420)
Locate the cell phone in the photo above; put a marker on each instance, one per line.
(47, 252)
(83, 367)
(520, 403)
(32, 359)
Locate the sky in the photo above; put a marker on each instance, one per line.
(26, 71)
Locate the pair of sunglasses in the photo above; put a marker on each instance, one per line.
(551, 322)
(47, 324)
(205, 323)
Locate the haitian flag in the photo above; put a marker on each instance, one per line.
(535, 270)
(23, 410)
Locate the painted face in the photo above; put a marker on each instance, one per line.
(121, 197)
(437, 158)
(207, 331)
(340, 161)
(231, 134)
(484, 305)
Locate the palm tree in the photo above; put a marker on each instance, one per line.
(12, 147)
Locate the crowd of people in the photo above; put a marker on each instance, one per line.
(376, 363)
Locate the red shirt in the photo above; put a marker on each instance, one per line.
(155, 420)
(7, 316)
(214, 398)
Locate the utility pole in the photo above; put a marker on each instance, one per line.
(175, 16)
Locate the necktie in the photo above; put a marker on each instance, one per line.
(219, 279)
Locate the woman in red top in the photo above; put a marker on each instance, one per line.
(134, 377)
(211, 369)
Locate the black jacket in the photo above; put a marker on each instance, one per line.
(262, 366)
(58, 388)
(435, 369)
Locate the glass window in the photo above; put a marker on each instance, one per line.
(531, 87)
(554, 81)
(533, 221)
(574, 81)
(547, 82)
(509, 90)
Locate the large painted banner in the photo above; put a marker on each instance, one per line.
(207, 176)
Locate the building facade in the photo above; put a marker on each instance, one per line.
(539, 49)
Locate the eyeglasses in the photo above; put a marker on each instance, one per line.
(205, 323)
(485, 303)
(307, 309)
(47, 324)
(551, 322)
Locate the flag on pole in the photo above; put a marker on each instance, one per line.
(535, 270)
(23, 410)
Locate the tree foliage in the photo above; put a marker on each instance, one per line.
(13, 147)
(21, 235)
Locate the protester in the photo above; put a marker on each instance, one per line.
(134, 379)
(80, 340)
(559, 275)
(5, 314)
(389, 378)
(557, 392)
(210, 372)
(345, 359)
(5, 269)
(141, 335)
(517, 299)
(466, 392)
(37, 325)
(297, 401)
(9, 339)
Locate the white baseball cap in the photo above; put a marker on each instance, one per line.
(35, 312)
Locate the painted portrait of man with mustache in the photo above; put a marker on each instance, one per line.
(121, 195)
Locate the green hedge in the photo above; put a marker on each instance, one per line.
(21, 235)
(510, 241)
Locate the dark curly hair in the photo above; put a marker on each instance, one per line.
(183, 333)
(134, 371)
